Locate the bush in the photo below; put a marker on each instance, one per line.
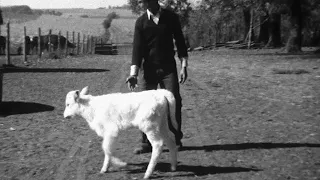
(107, 23)
(17, 10)
(84, 16)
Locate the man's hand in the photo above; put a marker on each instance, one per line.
(132, 82)
(183, 75)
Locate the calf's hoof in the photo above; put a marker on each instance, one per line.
(122, 164)
(103, 171)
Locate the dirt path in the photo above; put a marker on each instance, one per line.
(78, 153)
(240, 120)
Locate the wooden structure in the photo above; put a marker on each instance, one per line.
(106, 49)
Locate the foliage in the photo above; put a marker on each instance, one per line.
(18, 14)
(84, 16)
(107, 23)
(52, 12)
(223, 20)
(134, 6)
(181, 7)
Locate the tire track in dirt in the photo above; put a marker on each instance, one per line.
(79, 151)
(61, 174)
(81, 170)
(195, 119)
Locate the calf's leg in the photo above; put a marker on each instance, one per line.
(157, 144)
(171, 143)
(107, 147)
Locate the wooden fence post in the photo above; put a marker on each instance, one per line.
(78, 44)
(91, 42)
(66, 45)
(24, 44)
(39, 43)
(59, 45)
(92, 45)
(8, 44)
(1, 82)
(72, 41)
(84, 36)
(49, 41)
(88, 45)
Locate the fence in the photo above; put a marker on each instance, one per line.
(113, 48)
(52, 43)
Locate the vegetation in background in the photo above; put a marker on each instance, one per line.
(1, 19)
(84, 16)
(275, 23)
(107, 24)
(23, 13)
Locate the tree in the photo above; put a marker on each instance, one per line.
(295, 38)
(274, 10)
(1, 18)
(264, 24)
(181, 7)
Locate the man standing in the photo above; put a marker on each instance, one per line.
(153, 49)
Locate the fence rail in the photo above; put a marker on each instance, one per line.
(71, 43)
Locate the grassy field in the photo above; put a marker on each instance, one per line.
(121, 29)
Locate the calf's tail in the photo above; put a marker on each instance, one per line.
(171, 103)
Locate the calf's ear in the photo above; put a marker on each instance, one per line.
(77, 96)
(85, 91)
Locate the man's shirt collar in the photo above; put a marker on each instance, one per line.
(149, 13)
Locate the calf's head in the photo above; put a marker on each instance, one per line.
(73, 102)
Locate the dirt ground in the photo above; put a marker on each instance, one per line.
(247, 114)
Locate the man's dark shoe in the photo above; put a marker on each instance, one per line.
(144, 148)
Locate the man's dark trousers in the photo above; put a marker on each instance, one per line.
(166, 78)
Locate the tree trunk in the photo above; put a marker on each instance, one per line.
(274, 30)
(263, 32)
(264, 24)
(246, 15)
(247, 24)
(1, 17)
(295, 38)
(250, 34)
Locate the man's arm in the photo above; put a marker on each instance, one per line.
(179, 38)
(137, 55)
(181, 48)
(137, 51)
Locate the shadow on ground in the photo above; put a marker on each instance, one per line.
(12, 108)
(45, 70)
(193, 170)
(243, 146)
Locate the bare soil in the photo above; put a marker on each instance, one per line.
(249, 114)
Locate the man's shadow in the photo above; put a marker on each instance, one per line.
(206, 170)
(192, 170)
(17, 107)
(244, 146)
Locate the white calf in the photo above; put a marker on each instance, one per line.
(107, 114)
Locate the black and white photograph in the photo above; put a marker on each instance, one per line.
(160, 89)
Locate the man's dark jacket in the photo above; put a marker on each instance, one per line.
(154, 42)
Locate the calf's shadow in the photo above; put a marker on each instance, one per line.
(17, 107)
(193, 170)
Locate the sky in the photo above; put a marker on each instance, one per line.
(57, 4)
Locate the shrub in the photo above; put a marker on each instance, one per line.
(84, 16)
